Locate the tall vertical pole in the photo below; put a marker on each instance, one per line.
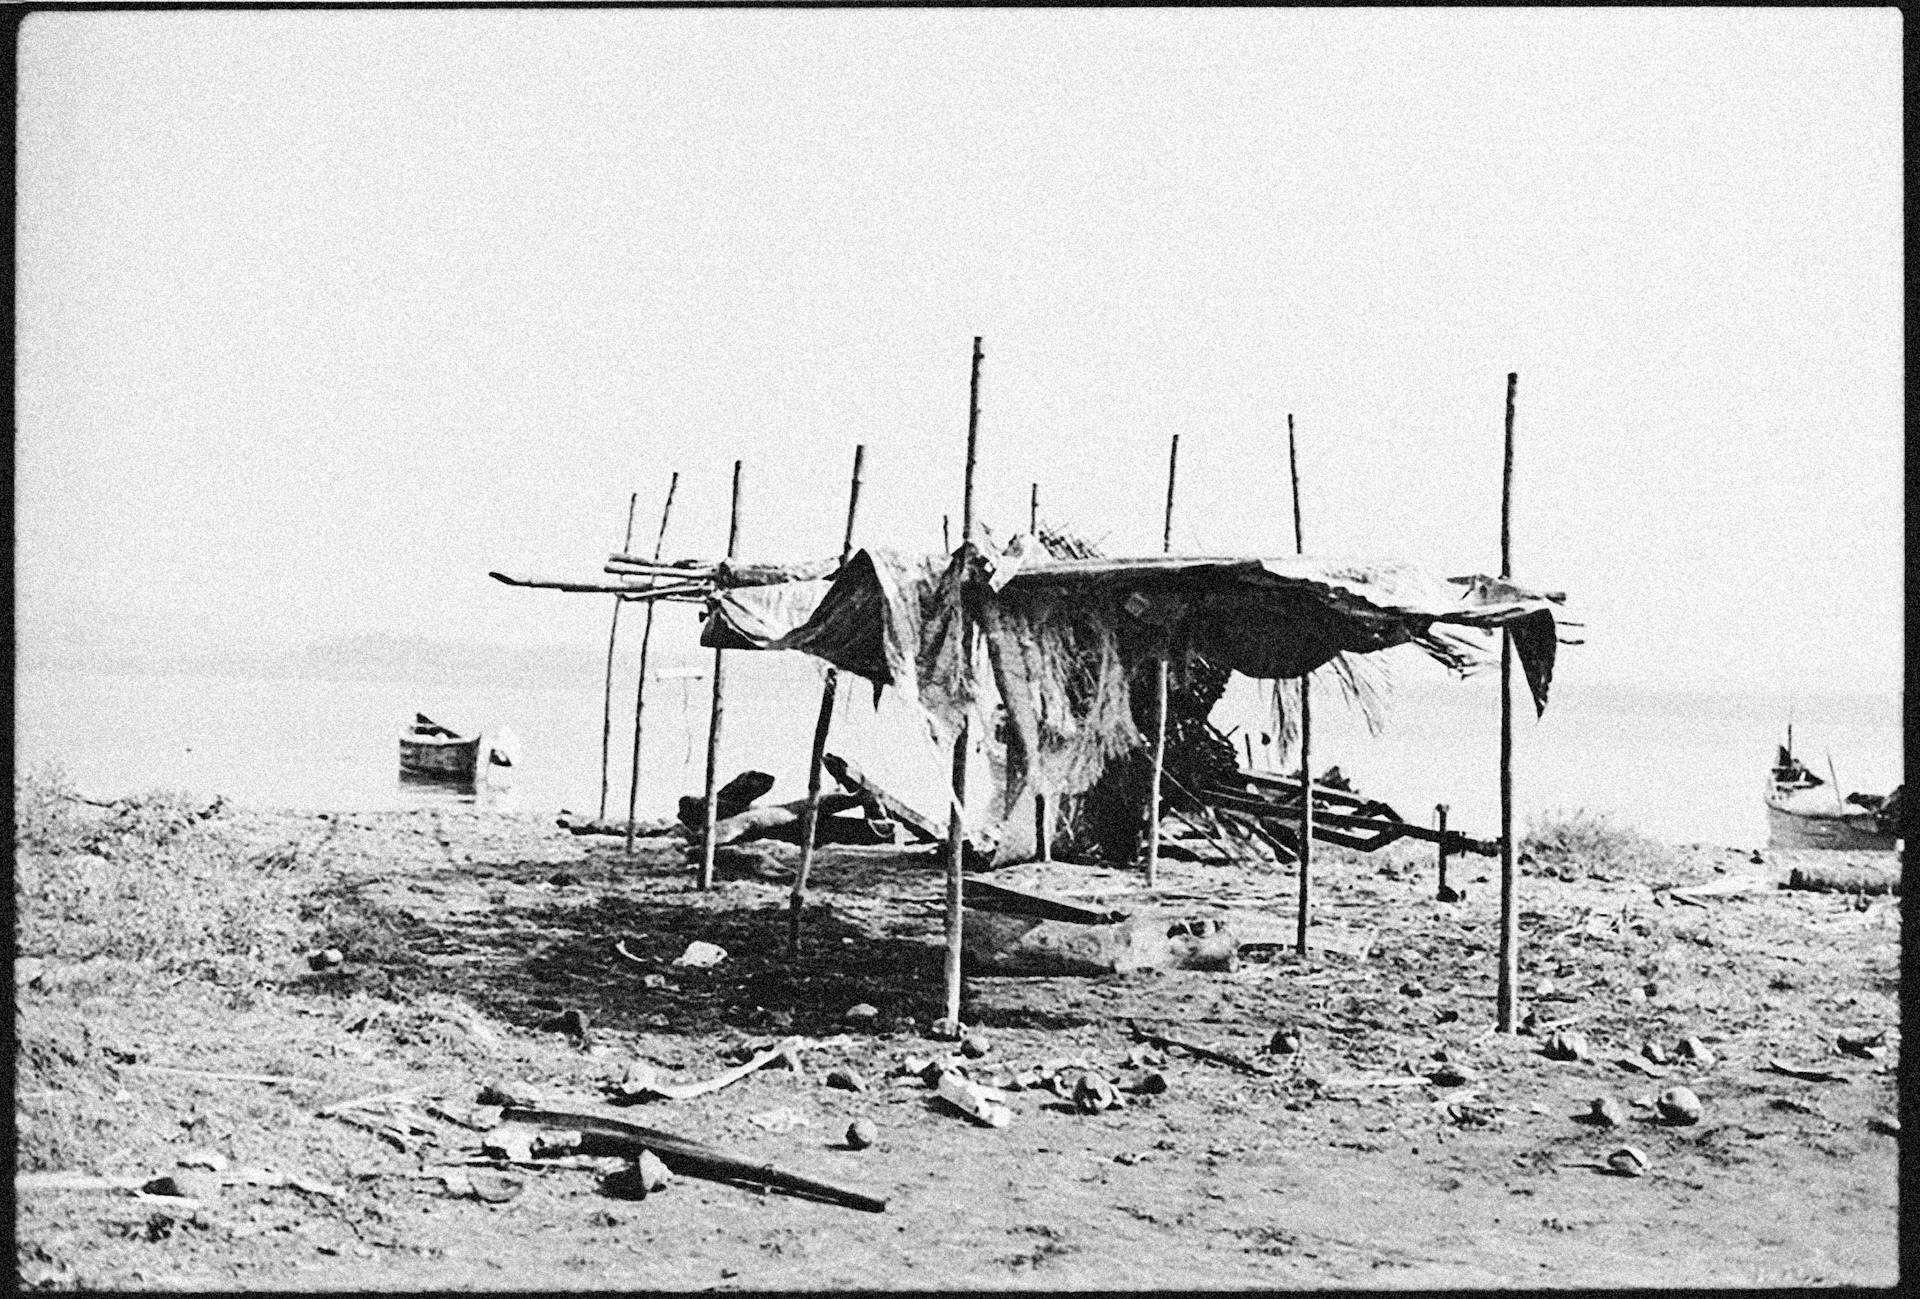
(1042, 807)
(1509, 950)
(811, 824)
(640, 691)
(719, 706)
(1160, 696)
(606, 703)
(1306, 727)
(956, 831)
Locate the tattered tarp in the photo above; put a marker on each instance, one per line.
(1063, 635)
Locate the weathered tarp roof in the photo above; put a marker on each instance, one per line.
(1264, 617)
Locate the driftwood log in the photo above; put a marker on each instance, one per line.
(688, 1158)
(1026, 945)
(787, 821)
(731, 799)
(879, 803)
(645, 829)
(1842, 877)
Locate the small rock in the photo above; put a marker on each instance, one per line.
(1757, 859)
(1607, 1113)
(638, 1179)
(1677, 1106)
(494, 1188)
(1868, 1046)
(1654, 1053)
(1151, 1083)
(1635, 996)
(571, 1022)
(563, 879)
(1629, 1161)
(1451, 1075)
(188, 1184)
(1448, 893)
(861, 1014)
(1128, 1157)
(846, 1080)
(1544, 989)
(1285, 1040)
(1412, 989)
(700, 956)
(1094, 1094)
(947, 1030)
(1692, 1048)
(212, 1160)
(506, 1091)
(861, 1133)
(325, 959)
(1564, 1044)
(509, 1141)
(974, 1045)
(653, 980)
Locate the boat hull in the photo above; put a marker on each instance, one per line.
(1800, 827)
(439, 759)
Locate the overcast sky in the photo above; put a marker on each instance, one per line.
(322, 315)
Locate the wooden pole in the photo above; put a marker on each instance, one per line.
(1306, 728)
(640, 691)
(956, 831)
(811, 825)
(1160, 696)
(1509, 949)
(719, 706)
(606, 703)
(1042, 809)
(1440, 822)
(946, 534)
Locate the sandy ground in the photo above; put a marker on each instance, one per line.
(466, 932)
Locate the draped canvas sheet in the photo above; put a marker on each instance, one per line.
(1063, 637)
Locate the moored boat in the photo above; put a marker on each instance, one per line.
(430, 751)
(1804, 811)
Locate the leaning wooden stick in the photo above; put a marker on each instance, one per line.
(956, 834)
(1306, 728)
(606, 703)
(640, 691)
(1042, 808)
(822, 724)
(1199, 1052)
(689, 1158)
(1160, 697)
(1509, 946)
(712, 814)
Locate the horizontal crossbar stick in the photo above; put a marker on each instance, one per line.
(1391, 827)
(631, 590)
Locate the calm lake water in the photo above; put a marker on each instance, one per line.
(1681, 768)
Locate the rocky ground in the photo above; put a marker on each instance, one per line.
(326, 1129)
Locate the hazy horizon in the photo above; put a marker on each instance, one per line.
(323, 315)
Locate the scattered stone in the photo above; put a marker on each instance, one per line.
(212, 1160)
(1629, 1161)
(1412, 989)
(1451, 1075)
(638, 1178)
(846, 1080)
(325, 959)
(572, 1022)
(495, 1188)
(974, 1045)
(861, 1014)
(1692, 1048)
(1285, 1040)
(1678, 1106)
(1128, 1157)
(188, 1184)
(1654, 1053)
(509, 1141)
(1607, 1113)
(1544, 989)
(505, 1091)
(861, 1133)
(1636, 996)
(653, 981)
(1448, 893)
(947, 1030)
(1151, 1083)
(1565, 1044)
(701, 956)
(563, 879)
(1868, 1046)
(1093, 1094)
(981, 1104)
